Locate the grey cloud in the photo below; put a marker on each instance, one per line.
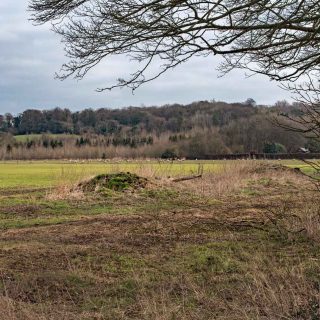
(30, 56)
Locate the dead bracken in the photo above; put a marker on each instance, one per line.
(122, 181)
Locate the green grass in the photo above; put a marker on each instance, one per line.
(35, 137)
(21, 208)
(49, 173)
(43, 174)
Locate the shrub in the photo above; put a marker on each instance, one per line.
(168, 154)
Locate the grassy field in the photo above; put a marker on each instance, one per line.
(35, 137)
(242, 242)
(50, 173)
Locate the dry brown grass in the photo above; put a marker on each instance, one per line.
(12, 310)
(279, 293)
(198, 261)
(66, 186)
(63, 192)
(309, 220)
(268, 291)
(228, 179)
(300, 221)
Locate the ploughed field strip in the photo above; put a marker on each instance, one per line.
(126, 247)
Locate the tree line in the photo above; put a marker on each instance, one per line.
(169, 118)
(196, 129)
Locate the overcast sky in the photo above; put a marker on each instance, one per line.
(30, 56)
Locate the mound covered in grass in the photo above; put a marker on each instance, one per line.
(269, 167)
(122, 181)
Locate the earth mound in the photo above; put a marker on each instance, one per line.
(122, 181)
(263, 168)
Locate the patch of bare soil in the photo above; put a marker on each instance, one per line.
(17, 191)
(21, 210)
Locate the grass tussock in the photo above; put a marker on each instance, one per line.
(65, 191)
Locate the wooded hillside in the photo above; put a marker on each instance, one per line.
(196, 129)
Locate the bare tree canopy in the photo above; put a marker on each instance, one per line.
(307, 121)
(280, 39)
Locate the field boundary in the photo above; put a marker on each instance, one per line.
(260, 156)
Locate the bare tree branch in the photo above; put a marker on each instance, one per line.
(277, 38)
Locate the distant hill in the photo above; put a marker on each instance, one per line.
(184, 130)
(168, 118)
